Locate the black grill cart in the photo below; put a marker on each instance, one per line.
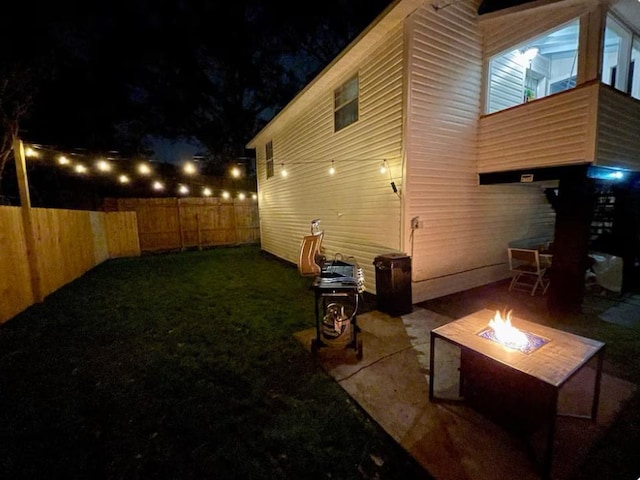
(337, 291)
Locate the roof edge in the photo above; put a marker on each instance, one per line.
(396, 12)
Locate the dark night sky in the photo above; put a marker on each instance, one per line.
(110, 73)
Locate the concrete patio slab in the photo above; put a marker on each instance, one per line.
(450, 440)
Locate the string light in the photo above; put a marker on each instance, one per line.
(105, 166)
(225, 195)
(189, 168)
(383, 167)
(236, 172)
(254, 196)
(31, 153)
(332, 168)
(144, 169)
(283, 172)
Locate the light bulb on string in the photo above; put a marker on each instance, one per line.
(123, 179)
(31, 153)
(62, 160)
(81, 169)
(206, 191)
(158, 186)
(236, 172)
(332, 168)
(241, 196)
(225, 195)
(383, 167)
(103, 166)
(189, 168)
(144, 169)
(183, 189)
(284, 172)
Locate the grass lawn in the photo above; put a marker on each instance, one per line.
(180, 366)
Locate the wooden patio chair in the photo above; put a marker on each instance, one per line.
(527, 271)
(310, 260)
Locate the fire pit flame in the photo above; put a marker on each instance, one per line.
(506, 333)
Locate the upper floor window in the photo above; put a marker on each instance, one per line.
(345, 104)
(620, 54)
(539, 67)
(269, 157)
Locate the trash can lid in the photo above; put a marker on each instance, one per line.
(391, 256)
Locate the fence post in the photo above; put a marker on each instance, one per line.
(180, 225)
(27, 220)
(199, 231)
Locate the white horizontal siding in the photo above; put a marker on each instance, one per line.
(464, 228)
(618, 130)
(507, 82)
(553, 131)
(359, 211)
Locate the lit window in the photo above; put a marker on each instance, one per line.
(345, 104)
(540, 67)
(634, 70)
(615, 56)
(269, 156)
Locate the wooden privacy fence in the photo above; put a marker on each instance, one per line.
(179, 223)
(67, 243)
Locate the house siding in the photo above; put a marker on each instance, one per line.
(618, 139)
(359, 212)
(464, 228)
(553, 131)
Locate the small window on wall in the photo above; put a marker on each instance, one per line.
(269, 157)
(540, 67)
(345, 103)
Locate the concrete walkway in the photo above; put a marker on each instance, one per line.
(450, 440)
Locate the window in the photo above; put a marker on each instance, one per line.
(345, 103)
(620, 56)
(634, 70)
(539, 67)
(615, 54)
(269, 157)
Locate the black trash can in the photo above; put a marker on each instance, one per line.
(393, 283)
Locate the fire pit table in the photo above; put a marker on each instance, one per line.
(517, 387)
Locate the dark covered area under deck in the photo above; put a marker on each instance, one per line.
(597, 219)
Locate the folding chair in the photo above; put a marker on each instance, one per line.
(527, 271)
(310, 260)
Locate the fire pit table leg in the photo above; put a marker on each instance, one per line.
(431, 365)
(548, 454)
(596, 386)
